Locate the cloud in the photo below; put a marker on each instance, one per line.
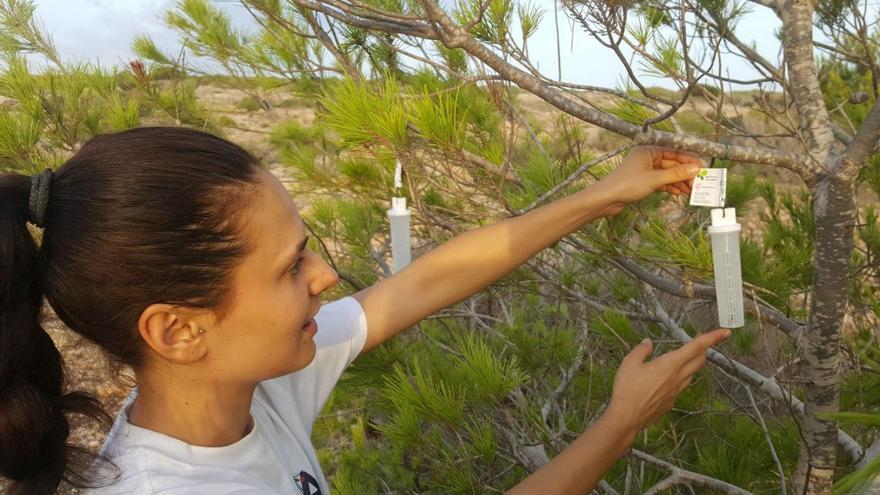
(102, 31)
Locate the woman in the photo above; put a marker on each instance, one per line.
(182, 257)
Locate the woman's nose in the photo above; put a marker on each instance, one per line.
(325, 278)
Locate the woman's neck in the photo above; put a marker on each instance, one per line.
(196, 411)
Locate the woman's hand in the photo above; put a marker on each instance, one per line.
(644, 391)
(648, 169)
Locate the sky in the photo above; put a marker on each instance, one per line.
(102, 31)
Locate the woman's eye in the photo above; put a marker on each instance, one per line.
(295, 268)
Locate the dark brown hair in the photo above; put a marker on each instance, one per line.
(134, 218)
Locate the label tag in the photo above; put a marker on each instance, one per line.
(710, 188)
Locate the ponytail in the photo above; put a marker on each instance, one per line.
(146, 215)
(34, 410)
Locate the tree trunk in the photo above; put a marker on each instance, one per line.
(834, 211)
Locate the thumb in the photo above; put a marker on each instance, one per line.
(640, 352)
(677, 174)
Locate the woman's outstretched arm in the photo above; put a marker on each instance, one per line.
(473, 260)
(643, 391)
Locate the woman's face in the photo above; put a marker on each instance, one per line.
(269, 330)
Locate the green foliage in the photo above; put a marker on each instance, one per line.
(435, 399)
(438, 118)
(858, 482)
(741, 456)
(833, 13)
(362, 116)
(179, 102)
(454, 58)
(668, 60)
(637, 114)
(788, 235)
(59, 109)
(495, 22)
(529, 19)
(840, 83)
(249, 104)
(123, 113)
(52, 113)
(725, 12)
(616, 327)
(293, 132)
(690, 250)
(144, 47)
(19, 32)
(870, 174)
(655, 15)
(19, 137)
(741, 189)
(282, 51)
(208, 30)
(488, 379)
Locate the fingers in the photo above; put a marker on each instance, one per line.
(661, 153)
(675, 181)
(682, 157)
(699, 345)
(676, 168)
(677, 177)
(684, 384)
(640, 353)
(677, 189)
(689, 368)
(694, 365)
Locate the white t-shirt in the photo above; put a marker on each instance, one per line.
(275, 457)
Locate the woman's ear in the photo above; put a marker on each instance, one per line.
(172, 332)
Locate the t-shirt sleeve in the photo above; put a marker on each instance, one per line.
(342, 332)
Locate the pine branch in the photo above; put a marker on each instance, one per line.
(768, 385)
(774, 5)
(860, 149)
(681, 476)
(386, 23)
(871, 453)
(350, 69)
(579, 296)
(768, 439)
(439, 26)
(571, 178)
(750, 54)
(790, 327)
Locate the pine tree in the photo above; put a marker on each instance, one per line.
(487, 391)
(440, 88)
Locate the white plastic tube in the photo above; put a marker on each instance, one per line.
(725, 232)
(399, 217)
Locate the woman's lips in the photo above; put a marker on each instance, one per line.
(311, 327)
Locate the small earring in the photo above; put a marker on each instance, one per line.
(201, 330)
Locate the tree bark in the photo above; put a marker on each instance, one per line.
(797, 45)
(834, 212)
